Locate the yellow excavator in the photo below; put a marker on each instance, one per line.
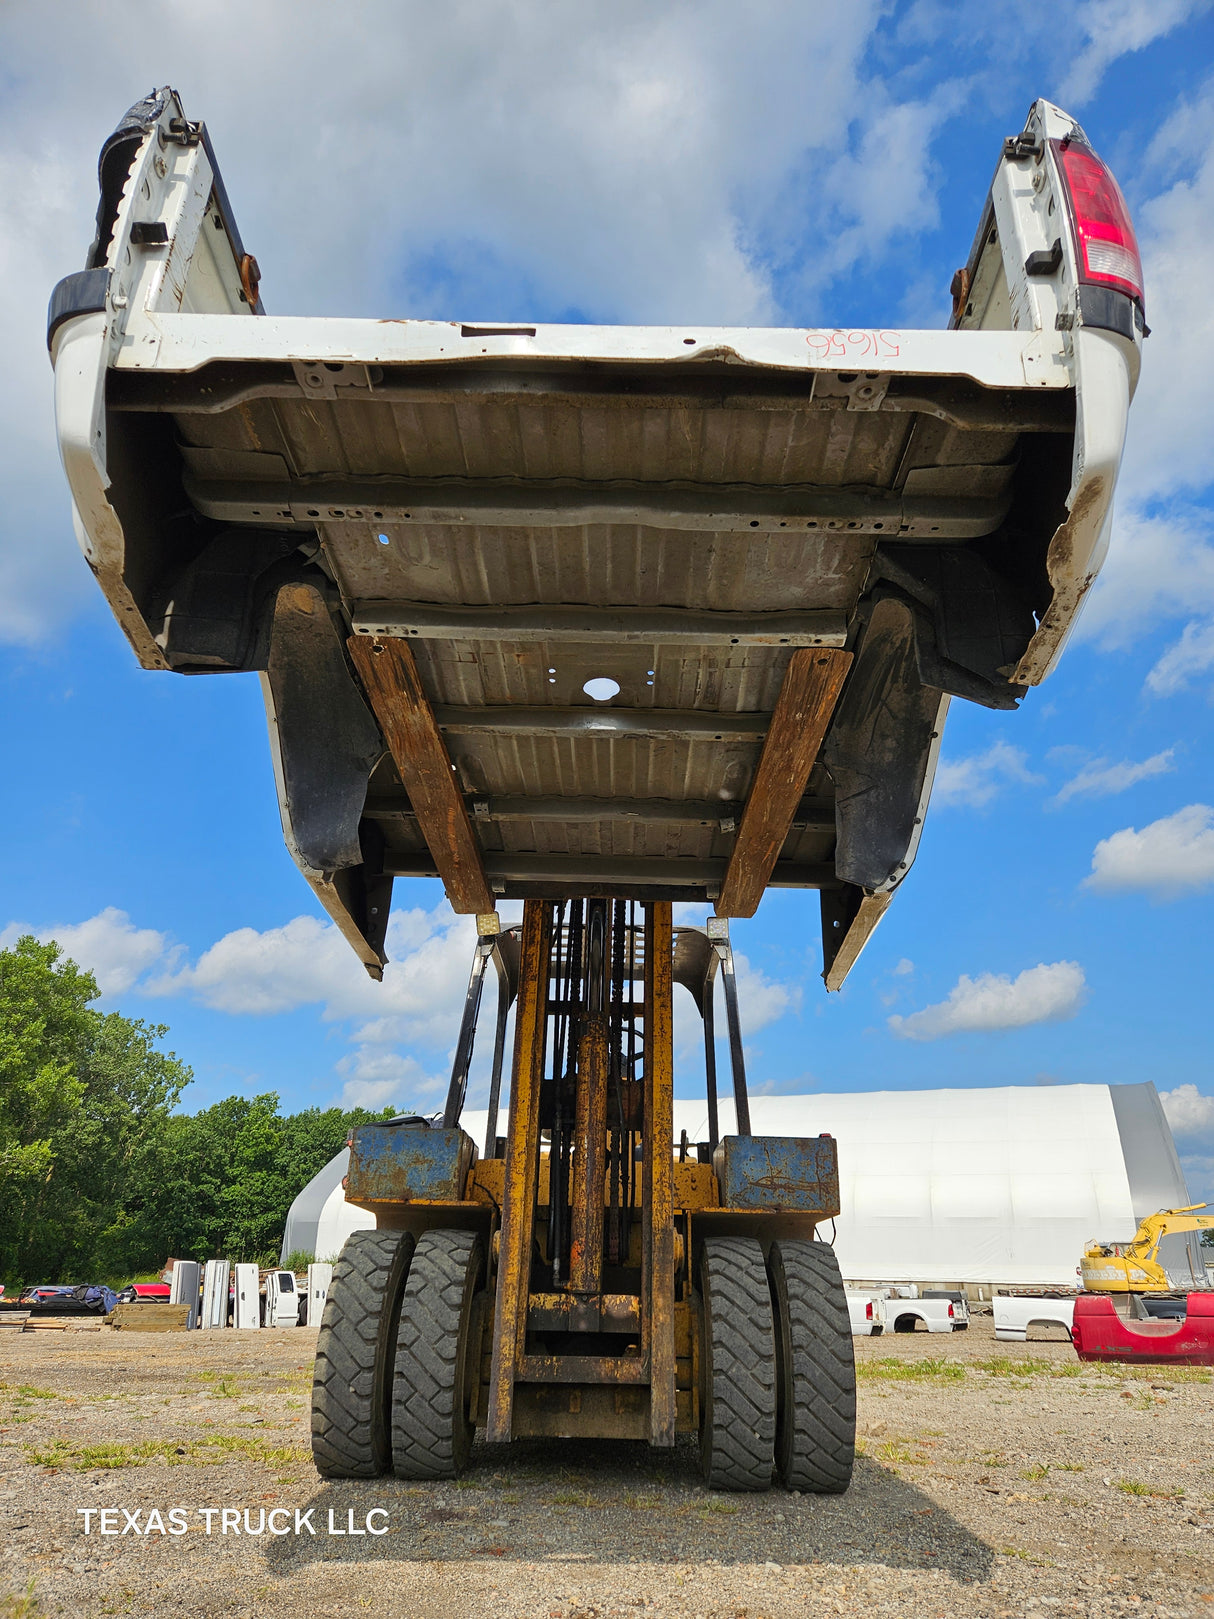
(1131, 1267)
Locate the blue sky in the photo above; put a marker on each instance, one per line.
(770, 164)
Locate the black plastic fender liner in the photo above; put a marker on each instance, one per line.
(82, 293)
(878, 748)
(326, 741)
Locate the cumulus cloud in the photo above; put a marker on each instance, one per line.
(375, 1078)
(1191, 1115)
(1115, 28)
(975, 781)
(1100, 779)
(1167, 858)
(613, 161)
(1042, 994)
(109, 945)
(1192, 655)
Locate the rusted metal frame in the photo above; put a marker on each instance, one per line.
(559, 623)
(810, 690)
(658, 1266)
(695, 724)
(582, 1369)
(499, 1053)
(718, 933)
(611, 876)
(565, 1312)
(741, 509)
(390, 678)
(590, 1108)
(522, 1168)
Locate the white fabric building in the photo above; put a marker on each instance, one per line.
(1004, 1185)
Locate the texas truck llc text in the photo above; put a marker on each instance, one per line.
(228, 1521)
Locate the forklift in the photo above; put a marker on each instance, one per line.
(602, 619)
(583, 1277)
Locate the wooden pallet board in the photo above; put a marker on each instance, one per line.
(150, 1317)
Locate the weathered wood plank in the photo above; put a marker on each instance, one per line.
(389, 675)
(812, 683)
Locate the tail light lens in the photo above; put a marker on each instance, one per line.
(1108, 248)
(951, 1312)
(868, 1311)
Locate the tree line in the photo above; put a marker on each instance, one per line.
(101, 1178)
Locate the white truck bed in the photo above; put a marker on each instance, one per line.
(786, 548)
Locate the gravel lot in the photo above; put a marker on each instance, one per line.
(995, 1479)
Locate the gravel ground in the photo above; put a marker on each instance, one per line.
(995, 1479)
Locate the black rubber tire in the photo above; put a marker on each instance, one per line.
(351, 1385)
(816, 1432)
(737, 1367)
(431, 1433)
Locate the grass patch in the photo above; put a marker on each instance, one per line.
(1001, 1366)
(570, 1498)
(27, 1391)
(930, 1369)
(1131, 1486)
(215, 1448)
(1038, 1473)
(21, 1604)
(725, 1509)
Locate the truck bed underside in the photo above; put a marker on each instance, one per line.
(786, 549)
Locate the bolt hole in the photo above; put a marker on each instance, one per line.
(754, 522)
(602, 688)
(383, 539)
(689, 340)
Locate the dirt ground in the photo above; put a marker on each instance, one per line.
(995, 1479)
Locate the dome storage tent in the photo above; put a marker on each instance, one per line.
(996, 1186)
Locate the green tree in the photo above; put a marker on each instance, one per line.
(44, 1032)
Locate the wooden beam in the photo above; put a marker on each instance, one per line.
(391, 681)
(812, 683)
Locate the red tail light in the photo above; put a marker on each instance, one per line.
(950, 1312)
(1108, 248)
(868, 1311)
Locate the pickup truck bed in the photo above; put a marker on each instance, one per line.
(785, 549)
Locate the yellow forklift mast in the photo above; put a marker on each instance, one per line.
(582, 1278)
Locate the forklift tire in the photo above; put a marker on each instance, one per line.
(431, 1432)
(351, 1385)
(816, 1433)
(738, 1367)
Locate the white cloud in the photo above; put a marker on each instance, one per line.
(1161, 562)
(975, 781)
(109, 945)
(1115, 28)
(1100, 779)
(375, 1078)
(1041, 994)
(1169, 857)
(612, 160)
(904, 968)
(1192, 655)
(1191, 1116)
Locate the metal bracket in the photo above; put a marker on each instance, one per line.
(322, 379)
